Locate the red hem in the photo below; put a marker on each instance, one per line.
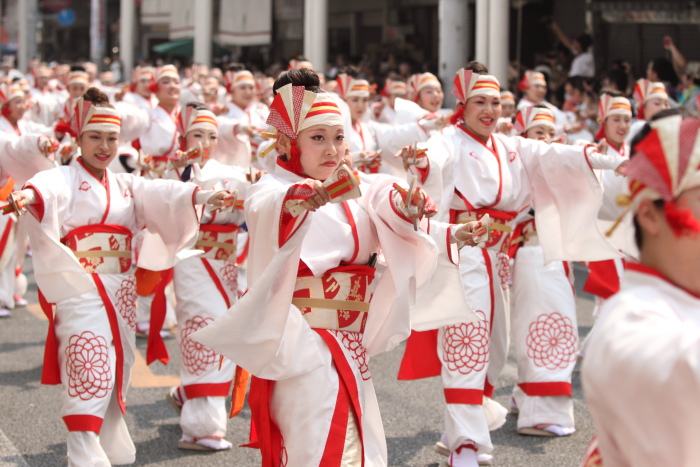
(83, 423)
(193, 391)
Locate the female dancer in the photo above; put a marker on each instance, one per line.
(83, 220)
(544, 308)
(309, 322)
(476, 172)
(367, 138)
(205, 287)
(615, 114)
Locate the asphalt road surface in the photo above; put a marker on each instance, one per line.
(33, 434)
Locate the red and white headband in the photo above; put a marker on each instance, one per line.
(468, 84)
(87, 117)
(350, 87)
(532, 116)
(295, 109)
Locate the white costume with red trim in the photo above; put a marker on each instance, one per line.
(503, 178)
(236, 147)
(205, 287)
(545, 333)
(20, 159)
(81, 238)
(644, 350)
(160, 138)
(47, 107)
(311, 362)
(373, 136)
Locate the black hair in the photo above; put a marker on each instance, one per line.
(77, 68)
(577, 82)
(97, 97)
(612, 93)
(664, 70)
(618, 77)
(235, 67)
(304, 77)
(197, 105)
(477, 67)
(585, 40)
(351, 71)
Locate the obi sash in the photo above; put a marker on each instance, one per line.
(501, 225)
(219, 241)
(337, 300)
(101, 248)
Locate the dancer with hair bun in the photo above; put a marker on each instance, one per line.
(309, 323)
(83, 218)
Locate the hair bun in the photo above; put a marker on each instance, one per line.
(97, 97)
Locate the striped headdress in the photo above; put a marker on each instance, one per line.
(417, 82)
(468, 84)
(192, 119)
(646, 90)
(87, 117)
(238, 78)
(609, 105)
(9, 91)
(532, 116)
(294, 109)
(530, 78)
(78, 77)
(350, 87)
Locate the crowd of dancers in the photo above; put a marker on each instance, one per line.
(288, 228)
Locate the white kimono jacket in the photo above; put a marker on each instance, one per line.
(95, 292)
(640, 373)
(312, 368)
(238, 148)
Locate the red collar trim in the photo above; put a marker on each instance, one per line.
(87, 169)
(620, 150)
(648, 270)
(477, 139)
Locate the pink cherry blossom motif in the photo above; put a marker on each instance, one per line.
(466, 345)
(196, 357)
(229, 273)
(553, 341)
(87, 366)
(352, 341)
(126, 301)
(503, 268)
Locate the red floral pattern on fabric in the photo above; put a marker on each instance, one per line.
(229, 273)
(218, 237)
(87, 366)
(196, 357)
(503, 269)
(352, 341)
(466, 345)
(126, 301)
(552, 341)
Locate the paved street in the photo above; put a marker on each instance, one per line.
(32, 433)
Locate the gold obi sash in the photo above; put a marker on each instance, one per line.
(501, 226)
(526, 233)
(101, 248)
(218, 241)
(338, 300)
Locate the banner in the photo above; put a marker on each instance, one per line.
(245, 22)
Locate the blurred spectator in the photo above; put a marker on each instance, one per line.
(661, 70)
(691, 82)
(583, 63)
(615, 79)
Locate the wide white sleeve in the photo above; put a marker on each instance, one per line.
(57, 271)
(134, 121)
(644, 353)
(397, 135)
(421, 267)
(567, 198)
(263, 332)
(167, 209)
(21, 159)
